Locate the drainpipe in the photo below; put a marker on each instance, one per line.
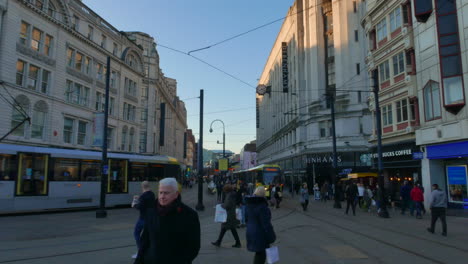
(3, 9)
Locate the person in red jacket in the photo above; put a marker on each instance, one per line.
(418, 198)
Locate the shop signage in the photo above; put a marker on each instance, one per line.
(284, 53)
(456, 175)
(322, 159)
(418, 155)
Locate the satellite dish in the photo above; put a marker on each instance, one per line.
(261, 89)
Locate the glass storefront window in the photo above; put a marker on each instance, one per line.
(117, 180)
(457, 183)
(33, 170)
(66, 170)
(7, 167)
(91, 170)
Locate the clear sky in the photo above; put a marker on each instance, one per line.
(191, 24)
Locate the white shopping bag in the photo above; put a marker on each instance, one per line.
(272, 255)
(220, 214)
(238, 214)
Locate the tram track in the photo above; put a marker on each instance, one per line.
(373, 238)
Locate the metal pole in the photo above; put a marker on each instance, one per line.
(101, 212)
(200, 206)
(224, 143)
(334, 179)
(383, 204)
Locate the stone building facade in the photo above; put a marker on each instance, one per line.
(52, 67)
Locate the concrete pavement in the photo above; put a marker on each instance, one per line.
(320, 235)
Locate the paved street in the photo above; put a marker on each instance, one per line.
(321, 235)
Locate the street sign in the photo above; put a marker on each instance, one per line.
(106, 169)
(418, 155)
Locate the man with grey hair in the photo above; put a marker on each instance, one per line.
(172, 229)
(142, 203)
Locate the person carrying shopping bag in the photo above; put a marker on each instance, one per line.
(231, 222)
(260, 233)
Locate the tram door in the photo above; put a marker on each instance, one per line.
(32, 178)
(117, 180)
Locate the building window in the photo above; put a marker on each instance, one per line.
(82, 127)
(90, 32)
(398, 64)
(356, 35)
(20, 68)
(33, 76)
(110, 136)
(358, 68)
(402, 110)
(76, 23)
(36, 40)
(111, 105)
(410, 62)
(130, 87)
(113, 79)
(87, 65)
(395, 19)
(103, 41)
(387, 115)
(77, 93)
(24, 33)
(144, 115)
(70, 57)
(51, 9)
(432, 100)
(372, 40)
(99, 71)
(359, 97)
(131, 139)
(18, 116)
(38, 120)
(45, 81)
(78, 61)
(450, 57)
(325, 129)
(124, 139)
(115, 50)
(144, 92)
(384, 71)
(48, 45)
(423, 9)
(354, 7)
(100, 102)
(68, 130)
(142, 141)
(407, 16)
(382, 30)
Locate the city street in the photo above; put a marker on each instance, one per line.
(321, 235)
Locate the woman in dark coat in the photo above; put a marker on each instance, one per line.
(260, 233)
(231, 221)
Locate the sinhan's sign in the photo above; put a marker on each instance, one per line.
(321, 159)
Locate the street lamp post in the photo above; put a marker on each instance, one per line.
(224, 135)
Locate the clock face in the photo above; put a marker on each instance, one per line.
(261, 89)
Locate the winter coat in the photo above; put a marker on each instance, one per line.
(438, 199)
(145, 201)
(260, 233)
(417, 195)
(172, 238)
(304, 195)
(405, 192)
(351, 192)
(230, 206)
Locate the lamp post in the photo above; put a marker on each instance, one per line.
(224, 135)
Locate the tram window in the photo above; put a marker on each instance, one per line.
(117, 181)
(138, 172)
(91, 170)
(66, 170)
(156, 172)
(7, 167)
(33, 174)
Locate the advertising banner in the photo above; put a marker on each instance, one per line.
(98, 129)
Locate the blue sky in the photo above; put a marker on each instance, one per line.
(191, 24)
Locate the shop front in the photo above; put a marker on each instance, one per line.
(401, 162)
(446, 165)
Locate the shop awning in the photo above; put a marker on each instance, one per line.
(362, 175)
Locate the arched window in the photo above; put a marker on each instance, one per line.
(38, 120)
(20, 111)
(432, 100)
(131, 139)
(124, 138)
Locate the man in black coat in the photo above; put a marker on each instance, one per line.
(172, 230)
(351, 195)
(142, 203)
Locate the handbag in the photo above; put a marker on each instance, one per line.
(238, 214)
(220, 214)
(272, 255)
